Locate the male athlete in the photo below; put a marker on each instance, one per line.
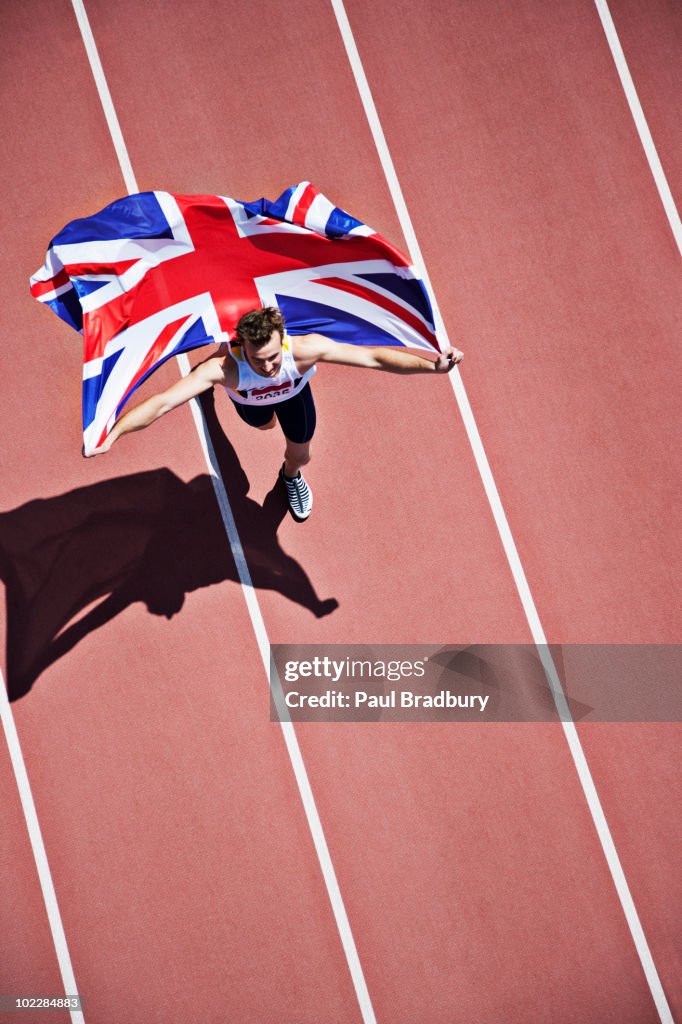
(266, 373)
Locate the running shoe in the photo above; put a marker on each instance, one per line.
(299, 495)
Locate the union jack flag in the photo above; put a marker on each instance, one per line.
(154, 274)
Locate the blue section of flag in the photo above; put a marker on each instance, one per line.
(280, 206)
(141, 214)
(341, 223)
(338, 224)
(84, 287)
(68, 308)
(410, 290)
(305, 317)
(194, 337)
(255, 208)
(94, 386)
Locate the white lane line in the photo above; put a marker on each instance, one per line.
(105, 96)
(291, 742)
(499, 515)
(293, 749)
(640, 120)
(38, 847)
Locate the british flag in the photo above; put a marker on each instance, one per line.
(154, 274)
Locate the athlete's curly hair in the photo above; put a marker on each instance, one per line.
(257, 326)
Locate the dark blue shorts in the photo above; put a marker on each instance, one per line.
(296, 415)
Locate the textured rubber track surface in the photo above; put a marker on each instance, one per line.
(469, 865)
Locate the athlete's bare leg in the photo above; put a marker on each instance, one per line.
(295, 456)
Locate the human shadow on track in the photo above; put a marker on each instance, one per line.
(145, 537)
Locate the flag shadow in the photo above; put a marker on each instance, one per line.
(73, 562)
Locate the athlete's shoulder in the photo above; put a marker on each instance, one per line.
(310, 345)
(227, 369)
(214, 369)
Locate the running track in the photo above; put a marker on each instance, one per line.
(473, 879)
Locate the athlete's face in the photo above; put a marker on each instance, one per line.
(266, 360)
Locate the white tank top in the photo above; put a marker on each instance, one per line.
(254, 389)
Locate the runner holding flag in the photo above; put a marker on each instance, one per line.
(153, 275)
(264, 351)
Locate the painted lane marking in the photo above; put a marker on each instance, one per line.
(640, 121)
(290, 739)
(499, 515)
(38, 846)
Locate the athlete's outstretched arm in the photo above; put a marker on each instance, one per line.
(318, 349)
(201, 378)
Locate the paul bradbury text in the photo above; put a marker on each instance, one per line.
(367, 684)
(392, 699)
(474, 682)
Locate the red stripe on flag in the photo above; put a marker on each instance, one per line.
(149, 360)
(304, 204)
(380, 300)
(104, 323)
(102, 437)
(99, 269)
(45, 287)
(389, 250)
(154, 353)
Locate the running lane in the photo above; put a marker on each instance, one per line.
(468, 860)
(651, 37)
(182, 862)
(29, 964)
(557, 272)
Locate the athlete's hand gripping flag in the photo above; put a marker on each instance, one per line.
(154, 274)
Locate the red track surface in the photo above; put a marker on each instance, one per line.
(471, 871)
